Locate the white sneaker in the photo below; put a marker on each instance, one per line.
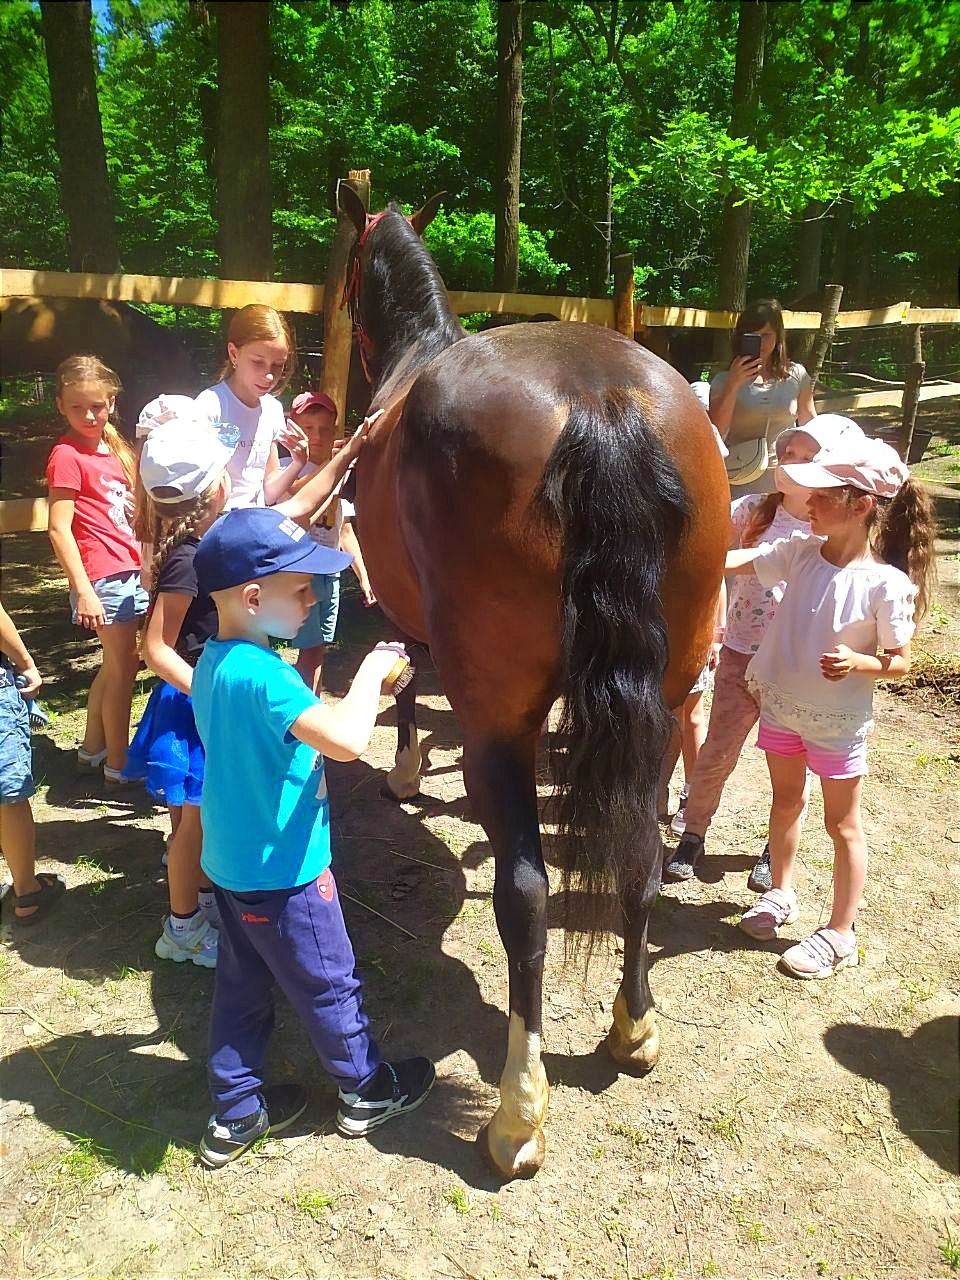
(821, 955)
(198, 944)
(770, 913)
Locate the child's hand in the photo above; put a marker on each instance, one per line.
(392, 662)
(293, 440)
(838, 663)
(29, 681)
(90, 612)
(369, 599)
(714, 656)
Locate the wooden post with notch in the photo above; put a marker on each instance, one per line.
(623, 290)
(911, 393)
(337, 326)
(828, 323)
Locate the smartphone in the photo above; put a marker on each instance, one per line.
(748, 344)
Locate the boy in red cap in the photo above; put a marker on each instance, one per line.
(316, 415)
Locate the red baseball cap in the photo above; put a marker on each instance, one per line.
(307, 399)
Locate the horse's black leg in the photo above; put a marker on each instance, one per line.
(403, 780)
(634, 1038)
(502, 787)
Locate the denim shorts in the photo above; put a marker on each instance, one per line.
(321, 624)
(16, 755)
(122, 597)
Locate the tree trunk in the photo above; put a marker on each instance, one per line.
(828, 323)
(245, 233)
(84, 185)
(735, 224)
(506, 253)
(810, 249)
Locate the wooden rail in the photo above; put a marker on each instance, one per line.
(308, 298)
(29, 515)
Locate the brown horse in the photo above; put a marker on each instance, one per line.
(545, 507)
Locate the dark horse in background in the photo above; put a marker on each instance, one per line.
(545, 507)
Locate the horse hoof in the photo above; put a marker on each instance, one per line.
(388, 794)
(508, 1159)
(633, 1043)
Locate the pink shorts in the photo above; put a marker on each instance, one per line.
(826, 762)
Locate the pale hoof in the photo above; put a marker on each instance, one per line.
(510, 1159)
(634, 1044)
(387, 792)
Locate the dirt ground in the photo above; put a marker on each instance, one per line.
(791, 1129)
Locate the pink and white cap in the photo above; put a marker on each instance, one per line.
(870, 465)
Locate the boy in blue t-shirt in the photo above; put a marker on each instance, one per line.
(266, 840)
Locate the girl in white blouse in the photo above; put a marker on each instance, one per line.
(846, 620)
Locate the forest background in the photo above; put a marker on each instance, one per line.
(825, 136)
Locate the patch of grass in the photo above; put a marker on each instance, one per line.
(709, 1267)
(487, 951)
(727, 1123)
(918, 990)
(457, 1197)
(85, 1160)
(4, 976)
(100, 876)
(314, 1203)
(636, 1137)
(950, 1252)
(495, 1211)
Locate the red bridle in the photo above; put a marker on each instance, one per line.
(352, 287)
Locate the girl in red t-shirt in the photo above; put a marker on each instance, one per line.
(90, 483)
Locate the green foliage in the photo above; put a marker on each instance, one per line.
(626, 117)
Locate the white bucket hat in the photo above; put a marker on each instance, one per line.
(827, 429)
(183, 452)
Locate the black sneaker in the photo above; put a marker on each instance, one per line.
(280, 1106)
(761, 878)
(682, 863)
(398, 1087)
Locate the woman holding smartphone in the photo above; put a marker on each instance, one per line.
(761, 394)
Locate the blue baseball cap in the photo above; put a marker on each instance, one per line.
(256, 542)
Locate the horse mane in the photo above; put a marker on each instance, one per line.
(406, 310)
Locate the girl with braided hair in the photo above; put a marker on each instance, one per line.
(184, 484)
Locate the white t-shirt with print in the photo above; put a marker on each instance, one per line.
(258, 425)
(866, 607)
(751, 605)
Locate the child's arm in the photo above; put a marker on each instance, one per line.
(12, 645)
(342, 732)
(350, 543)
(159, 646)
(741, 559)
(59, 521)
(890, 664)
(305, 502)
(719, 626)
(277, 480)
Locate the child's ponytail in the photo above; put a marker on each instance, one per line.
(175, 522)
(903, 534)
(761, 518)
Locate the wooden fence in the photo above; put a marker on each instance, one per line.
(308, 299)
(623, 312)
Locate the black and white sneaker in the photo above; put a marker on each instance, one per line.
(682, 863)
(398, 1087)
(280, 1106)
(761, 877)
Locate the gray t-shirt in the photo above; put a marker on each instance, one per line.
(765, 408)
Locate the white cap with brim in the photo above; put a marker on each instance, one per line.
(167, 408)
(872, 466)
(181, 460)
(827, 429)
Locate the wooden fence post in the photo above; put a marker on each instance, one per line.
(911, 393)
(828, 322)
(623, 287)
(337, 326)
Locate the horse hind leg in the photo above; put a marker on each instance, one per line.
(501, 785)
(634, 1039)
(403, 780)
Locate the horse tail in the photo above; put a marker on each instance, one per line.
(615, 499)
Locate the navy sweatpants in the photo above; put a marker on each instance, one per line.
(297, 939)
